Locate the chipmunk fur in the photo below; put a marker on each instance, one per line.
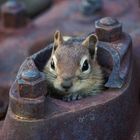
(72, 72)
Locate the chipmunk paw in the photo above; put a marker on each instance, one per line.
(72, 98)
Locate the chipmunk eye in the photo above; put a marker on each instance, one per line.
(52, 64)
(85, 66)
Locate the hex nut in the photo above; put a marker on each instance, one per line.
(13, 15)
(108, 29)
(32, 88)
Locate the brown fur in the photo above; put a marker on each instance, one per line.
(68, 57)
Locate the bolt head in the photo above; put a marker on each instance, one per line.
(108, 21)
(13, 15)
(108, 29)
(30, 75)
(33, 86)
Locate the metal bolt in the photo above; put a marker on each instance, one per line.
(32, 84)
(30, 75)
(108, 29)
(108, 21)
(13, 14)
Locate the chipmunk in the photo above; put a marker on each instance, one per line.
(72, 72)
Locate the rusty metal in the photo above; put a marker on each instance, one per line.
(108, 30)
(13, 14)
(33, 7)
(30, 75)
(40, 33)
(60, 17)
(60, 112)
(31, 82)
(136, 132)
(28, 101)
(109, 115)
(117, 52)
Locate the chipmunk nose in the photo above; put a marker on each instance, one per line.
(66, 84)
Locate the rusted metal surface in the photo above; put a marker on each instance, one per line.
(136, 132)
(33, 7)
(66, 16)
(117, 52)
(13, 14)
(31, 85)
(29, 103)
(109, 30)
(108, 116)
(136, 51)
(68, 20)
(31, 82)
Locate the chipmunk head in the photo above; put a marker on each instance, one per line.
(71, 66)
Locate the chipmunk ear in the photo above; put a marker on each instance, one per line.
(58, 39)
(91, 43)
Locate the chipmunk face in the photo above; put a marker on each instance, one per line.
(71, 67)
